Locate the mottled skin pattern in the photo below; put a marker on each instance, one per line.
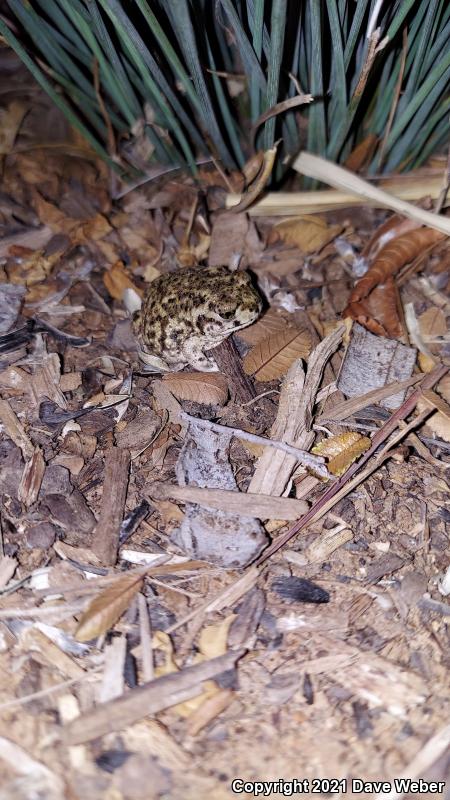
(189, 311)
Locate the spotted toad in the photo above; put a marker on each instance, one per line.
(189, 311)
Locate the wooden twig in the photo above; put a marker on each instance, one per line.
(404, 411)
(261, 506)
(302, 456)
(148, 699)
(107, 531)
(229, 362)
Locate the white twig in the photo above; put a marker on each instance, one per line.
(374, 19)
(314, 462)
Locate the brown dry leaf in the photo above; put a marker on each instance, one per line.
(362, 154)
(116, 280)
(10, 122)
(80, 231)
(434, 400)
(432, 323)
(198, 387)
(213, 638)
(171, 514)
(95, 228)
(308, 232)
(394, 227)
(191, 255)
(342, 450)
(253, 166)
(438, 423)
(105, 609)
(272, 357)
(392, 257)
(271, 322)
(50, 215)
(31, 480)
(259, 182)
(379, 312)
(33, 268)
(228, 235)
(161, 641)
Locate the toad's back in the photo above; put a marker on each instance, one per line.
(191, 310)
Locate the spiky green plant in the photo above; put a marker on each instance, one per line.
(374, 67)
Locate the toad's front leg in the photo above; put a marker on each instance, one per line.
(197, 358)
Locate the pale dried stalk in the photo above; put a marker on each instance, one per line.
(323, 170)
(244, 503)
(284, 204)
(348, 407)
(301, 456)
(294, 417)
(15, 430)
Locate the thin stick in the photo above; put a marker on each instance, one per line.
(404, 411)
(21, 701)
(302, 456)
(146, 639)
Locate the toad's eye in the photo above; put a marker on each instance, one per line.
(227, 314)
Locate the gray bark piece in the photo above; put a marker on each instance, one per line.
(372, 362)
(11, 296)
(205, 533)
(72, 513)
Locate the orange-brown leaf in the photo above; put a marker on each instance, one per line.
(199, 387)
(342, 450)
(392, 228)
(105, 609)
(117, 280)
(271, 322)
(362, 153)
(432, 323)
(272, 357)
(392, 257)
(378, 312)
(308, 232)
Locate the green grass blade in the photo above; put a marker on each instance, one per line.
(251, 64)
(419, 53)
(186, 40)
(434, 79)
(142, 60)
(226, 115)
(360, 12)
(277, 26)
(170, 54)
(399, 18)
(317, 128)
(417, 113)
(51, 50)
(64, 27)
(257, 24)
(338, 77)
(111, 65)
